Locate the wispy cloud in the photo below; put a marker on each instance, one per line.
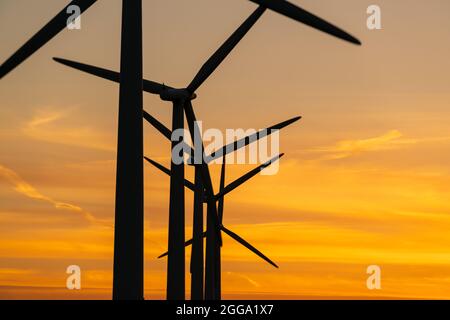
(47, 125)
(15, 272)
(390, 140)
(26, 189)
(246, 278)
(348, 148)
(45, 118)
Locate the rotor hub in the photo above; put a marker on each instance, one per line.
(171, 94)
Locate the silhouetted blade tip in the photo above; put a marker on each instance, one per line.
(292, 11)
(64, 61)
(224, 50)
(290, 121)
(162, 256)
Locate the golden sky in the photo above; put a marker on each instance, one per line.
(365, 180)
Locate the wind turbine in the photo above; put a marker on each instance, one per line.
(181, 98)
(196, 266)
(128, 274)
(219, 199)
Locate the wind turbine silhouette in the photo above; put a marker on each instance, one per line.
(219, 198)
(196, 266)
(128, 263)
(181, 99)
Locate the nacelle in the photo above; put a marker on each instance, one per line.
(177, 94)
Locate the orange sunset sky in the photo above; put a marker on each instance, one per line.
(365, 179)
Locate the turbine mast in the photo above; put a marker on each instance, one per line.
(197, 255)
(176, 258)
(128, 277)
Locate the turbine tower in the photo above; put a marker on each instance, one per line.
(128, 275)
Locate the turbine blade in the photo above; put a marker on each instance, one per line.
(241, 143)
(186, 244)
(148, 86)
(248, 246)
(222, 186)
(159, 166)
(50, 30)
(219, 56)
(166, 132)
(246, 177)
(294, 12)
